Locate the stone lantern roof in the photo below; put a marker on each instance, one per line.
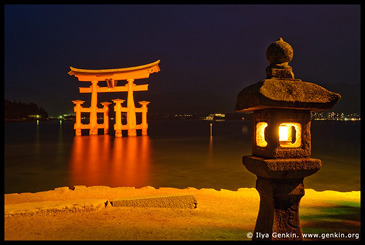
(281, 90)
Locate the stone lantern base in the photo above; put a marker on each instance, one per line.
(280, 185)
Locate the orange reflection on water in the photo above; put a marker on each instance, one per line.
(104, 160)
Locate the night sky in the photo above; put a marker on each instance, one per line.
(208, 53)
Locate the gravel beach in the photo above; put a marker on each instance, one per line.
(87, 213)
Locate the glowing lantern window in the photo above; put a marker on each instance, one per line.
(260, 134)
(284, 133)
(290, 135)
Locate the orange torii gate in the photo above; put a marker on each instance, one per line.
(112, 76)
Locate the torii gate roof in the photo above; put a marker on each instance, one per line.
(136, 72)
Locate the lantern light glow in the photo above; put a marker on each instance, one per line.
(260, 134)
(284, 133)
(290, 135)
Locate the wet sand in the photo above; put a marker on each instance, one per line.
(219, 215)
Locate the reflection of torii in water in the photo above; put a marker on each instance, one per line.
(111, 76)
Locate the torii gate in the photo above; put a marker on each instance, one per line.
(111, 76)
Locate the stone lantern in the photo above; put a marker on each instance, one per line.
(281, 143)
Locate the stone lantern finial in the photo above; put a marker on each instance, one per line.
(279, 54)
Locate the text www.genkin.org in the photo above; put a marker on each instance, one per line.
(306, 236)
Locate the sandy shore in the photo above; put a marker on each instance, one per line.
(80, 214)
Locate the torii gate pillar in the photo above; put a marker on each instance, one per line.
(118, 117)
(144, 116)
(131, 113)
(93, 109)
(77, 110)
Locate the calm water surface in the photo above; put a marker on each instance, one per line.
(176, 153)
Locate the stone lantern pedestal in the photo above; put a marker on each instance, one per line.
(280, 185)
(281, 143)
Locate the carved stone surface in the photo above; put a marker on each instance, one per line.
(281, 168)
(281, 90)
(279, 54)
(282, 93)
(279, 208)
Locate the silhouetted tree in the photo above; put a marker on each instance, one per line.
(20, 110)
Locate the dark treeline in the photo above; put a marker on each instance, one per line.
(20, 110)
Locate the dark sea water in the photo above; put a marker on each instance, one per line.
(176, 153)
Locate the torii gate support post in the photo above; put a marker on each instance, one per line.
(144, 116)
(93, 107)
(77, 110)
(131, 113)
(106, 116)
(118, 117)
